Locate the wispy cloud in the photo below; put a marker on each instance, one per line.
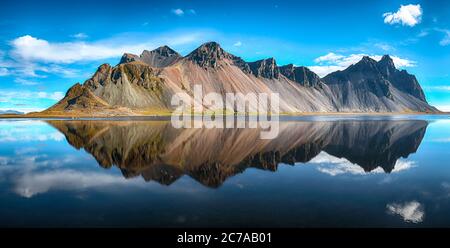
(25, 82)
(407, 15)
(438, 88)
(4, 72)
(237, 44)
(28, 101)
(384, 47)
(180, 12)
(80, 36)
(333, 62)
(445, 41)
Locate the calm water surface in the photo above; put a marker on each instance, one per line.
(319, 172)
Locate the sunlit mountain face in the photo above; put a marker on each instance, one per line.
(318, 172)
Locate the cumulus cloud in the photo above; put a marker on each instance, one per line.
(178, 12)
(334, 166)
(407, 15)
(332, 62)
(412, 212)
(35, 49)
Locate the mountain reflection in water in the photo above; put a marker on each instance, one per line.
(157, 151)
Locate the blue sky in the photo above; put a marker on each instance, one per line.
(47, 46)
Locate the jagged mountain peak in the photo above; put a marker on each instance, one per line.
(386, 64)
(128, 57)
(209, 54)
(365, 65)
(387, 58)
(266, 68)
(160, 57)
(300, 74)
(165, 51)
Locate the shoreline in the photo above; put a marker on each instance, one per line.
(168, 115)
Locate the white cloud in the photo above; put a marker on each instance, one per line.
(35, 183)
(384, 46)
(237, 44)
(32, 49)
(25, 82)
(80, 36)
(410, 211)
(409, 15)
(8, 95)
(441, 140)
(181, 12)
(330, 57)
(332, 62)
(334, 166)
(25, 131)
(28, 101)
(58, 95)
(423, 33)
(438, 88)
(445, 108)
(178, 12)
(4, 72)
(446, 40)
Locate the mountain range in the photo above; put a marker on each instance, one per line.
(144, 84)
(10, 112)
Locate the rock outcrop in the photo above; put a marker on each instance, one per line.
(377, 86)
(301, 75)
(266, 68)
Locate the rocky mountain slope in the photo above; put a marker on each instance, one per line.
(144, 84)
(376, 86)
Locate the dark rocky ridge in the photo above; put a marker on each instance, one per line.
(160, 57)
(360, 83)
(266, 68)
(301, 75)
(211, 54)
